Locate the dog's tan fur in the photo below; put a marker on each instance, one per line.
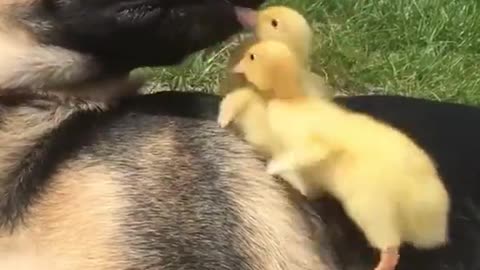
(76, 223)
(30, 66)
(151, 182)
(88, 215)
(27, 64)
(253, 209)
(77, 212)
(47, 82)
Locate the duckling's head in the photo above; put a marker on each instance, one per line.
(280, 23)
(272, 68)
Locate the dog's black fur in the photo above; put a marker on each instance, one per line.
(444, 130)
(447, 131)
(122, 35)
(127, 34)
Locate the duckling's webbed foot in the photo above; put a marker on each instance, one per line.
(389, 258)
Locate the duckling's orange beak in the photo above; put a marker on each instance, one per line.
(239, 68)
(247, 17)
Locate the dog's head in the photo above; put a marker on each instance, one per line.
(132, 33)
(113, 35)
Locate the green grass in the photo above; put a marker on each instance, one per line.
(422, 48)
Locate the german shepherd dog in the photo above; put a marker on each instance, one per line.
(95, 176)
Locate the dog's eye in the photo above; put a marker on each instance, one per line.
(252, 56)
(274, 23)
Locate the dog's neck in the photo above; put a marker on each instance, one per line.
(26, 63)
(63, 77)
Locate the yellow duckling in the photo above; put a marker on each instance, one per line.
(385, 182)
(241, 104)
(283, 24)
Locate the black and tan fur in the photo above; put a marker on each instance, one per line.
(87, 183)
(94, 177)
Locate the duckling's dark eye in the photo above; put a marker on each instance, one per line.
(274, 23)
(252, 56)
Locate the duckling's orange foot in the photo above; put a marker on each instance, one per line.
(388, 259)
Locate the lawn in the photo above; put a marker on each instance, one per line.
(422, 48)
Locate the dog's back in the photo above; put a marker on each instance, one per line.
(87, 183)
(138, 189)
(134, 188)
